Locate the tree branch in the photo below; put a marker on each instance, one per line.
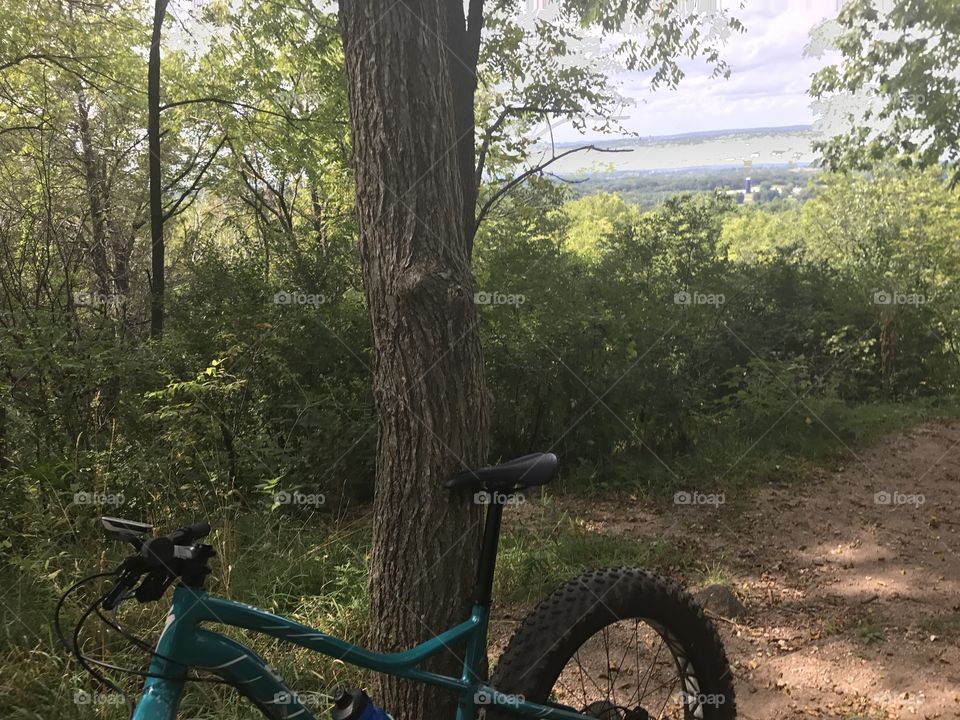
(189, 166)
(242, 105)
(474, 28)
(15, 128)
(488, 205)
(196, 181)
(34, 56)
(56, 60)
(498, 123)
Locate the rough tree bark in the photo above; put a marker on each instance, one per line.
(427, 363)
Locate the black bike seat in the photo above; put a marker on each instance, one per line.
(526, 471)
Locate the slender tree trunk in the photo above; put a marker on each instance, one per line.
(98, 197)
(319, 232)
(157, 278)
(428, 368)
(888, 347)
(463, 46)
(4, 460)
(95, 198)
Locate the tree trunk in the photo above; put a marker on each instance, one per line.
(157, 279)
(95, 198)
(888, 349)
(4, 460)
(463, 45)
(427, 365)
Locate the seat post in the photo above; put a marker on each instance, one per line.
(483, 591)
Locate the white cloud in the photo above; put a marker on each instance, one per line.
(769, 81)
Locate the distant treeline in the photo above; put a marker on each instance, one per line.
(648, 188)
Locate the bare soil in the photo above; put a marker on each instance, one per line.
(853, 602)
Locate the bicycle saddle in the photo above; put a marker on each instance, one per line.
(526, 471)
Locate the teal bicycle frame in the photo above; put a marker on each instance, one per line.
(185, 644)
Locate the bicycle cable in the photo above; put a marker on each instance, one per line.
(63, 598)
(133, 639)
(86, 661)
(75, 650)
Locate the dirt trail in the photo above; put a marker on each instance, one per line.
(851, 581)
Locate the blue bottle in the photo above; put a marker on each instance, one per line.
(355, 704)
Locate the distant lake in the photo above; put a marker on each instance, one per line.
(728, 148)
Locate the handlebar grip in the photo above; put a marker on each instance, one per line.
(190, 533)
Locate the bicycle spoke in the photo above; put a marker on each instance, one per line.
(582, 684)
(590, 677)
(667, 700)
(562, 686)
(649, 673)
(609, 671)
(627, 649)
(636, 635)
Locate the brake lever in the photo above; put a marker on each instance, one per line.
(154, 585)
(123, 585)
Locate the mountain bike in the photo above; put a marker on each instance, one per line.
(616, 644)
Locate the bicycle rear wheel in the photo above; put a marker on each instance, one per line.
(619, 644)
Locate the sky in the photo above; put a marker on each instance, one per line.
(767, 88)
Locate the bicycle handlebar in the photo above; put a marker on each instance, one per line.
(189, 534)
(162, 559)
